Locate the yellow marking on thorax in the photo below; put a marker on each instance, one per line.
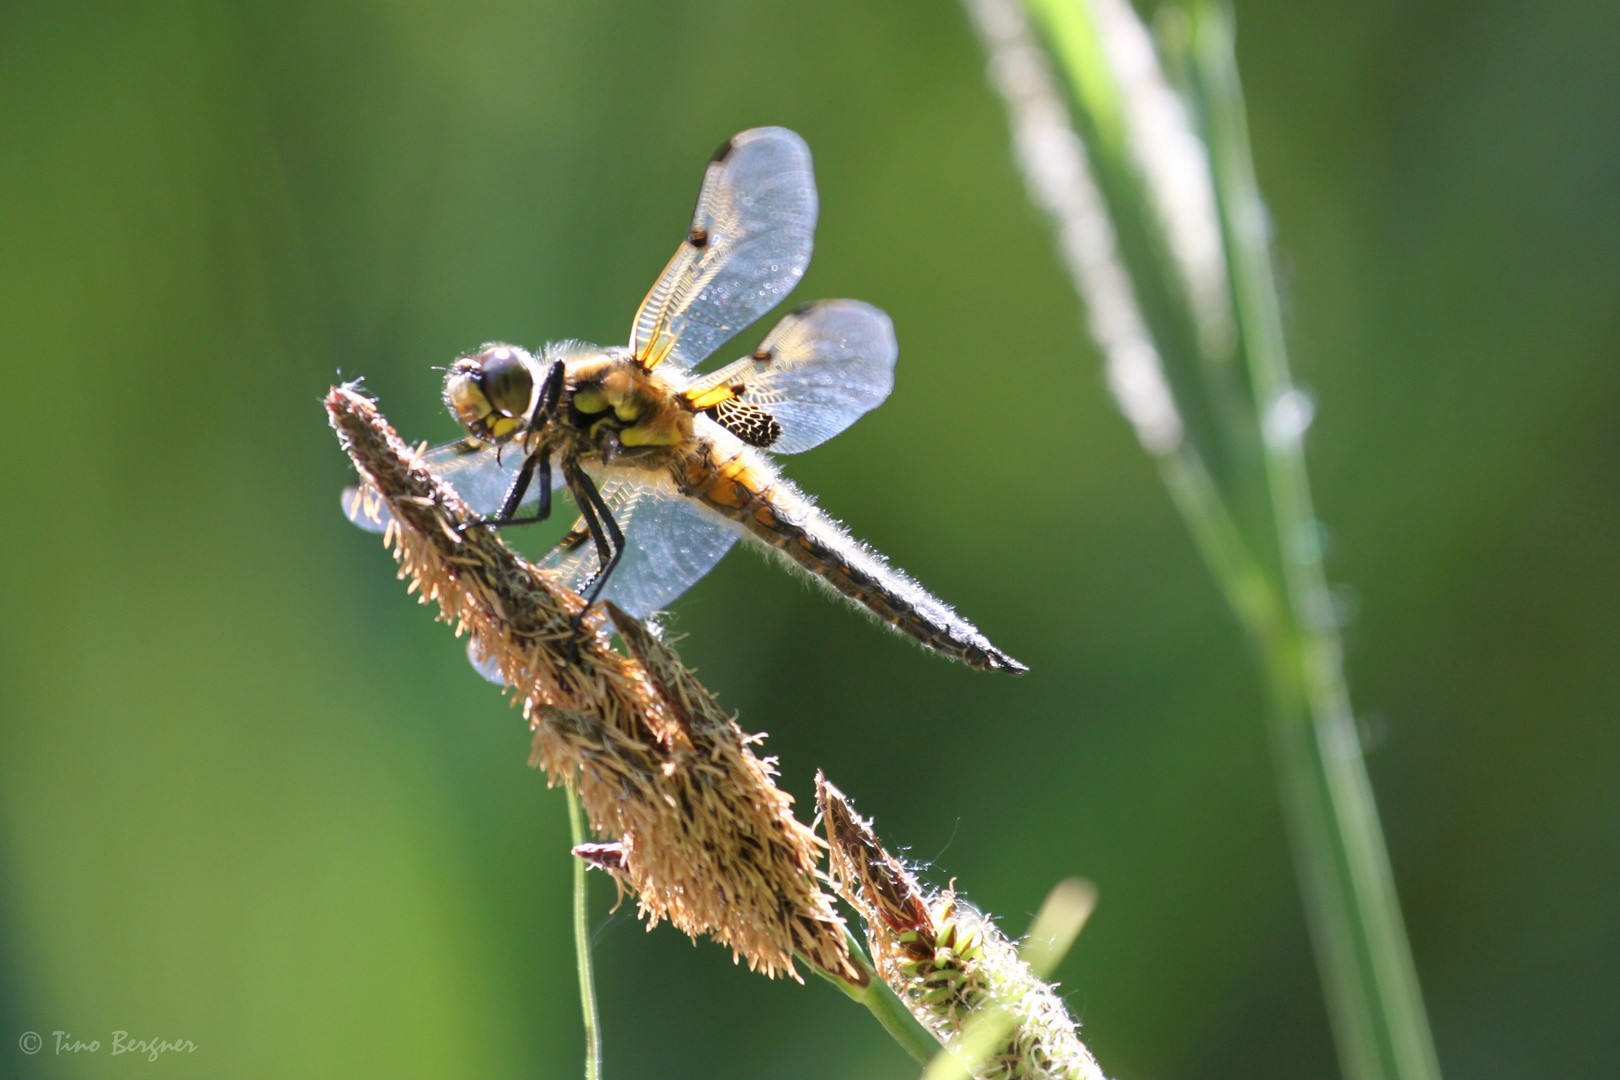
(652, 435)
(654, 412)
(590, 401)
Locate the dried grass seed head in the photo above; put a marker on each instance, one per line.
(948, 962)
(708, 841)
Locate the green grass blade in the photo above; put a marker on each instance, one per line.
(1209, 394)
(582, 944)
(1370, 980)
(882, 1003)
(1238, 476)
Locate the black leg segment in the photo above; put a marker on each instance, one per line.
(536, 463)
(599, 520)
(515, 493)
(550, 393)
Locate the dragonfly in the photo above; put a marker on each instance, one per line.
(668, 467)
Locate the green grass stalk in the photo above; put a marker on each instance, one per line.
(582, 944)
(1360, 939)
(885, 1005)
(1234, 462)
(1207, 386)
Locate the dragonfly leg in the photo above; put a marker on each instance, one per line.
(514, 497)
(604, 531)
(550, 394)
(550, 391)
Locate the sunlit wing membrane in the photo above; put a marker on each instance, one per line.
(670, 542)
(480, 474)
(816, 373)
(485, 666)
(748, 247)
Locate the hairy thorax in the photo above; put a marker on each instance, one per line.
(616, 410)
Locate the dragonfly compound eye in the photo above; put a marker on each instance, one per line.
(506, 380)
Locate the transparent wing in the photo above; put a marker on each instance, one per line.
(480, 474)
(485, 667)
(747, 248)
(817, 372)
(670, 542)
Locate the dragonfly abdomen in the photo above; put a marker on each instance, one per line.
(745, 488)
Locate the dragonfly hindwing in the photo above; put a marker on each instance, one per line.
(750, 423)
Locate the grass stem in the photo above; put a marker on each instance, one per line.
(1367, 969)
(582, 944)
(1157, 176)
(884, 1004)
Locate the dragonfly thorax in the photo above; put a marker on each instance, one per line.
(612, 400)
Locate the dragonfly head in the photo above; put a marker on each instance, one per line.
(491, 391)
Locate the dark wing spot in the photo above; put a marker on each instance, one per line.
(698, 237)
(763, 356)
(750, 423)
(724, 151)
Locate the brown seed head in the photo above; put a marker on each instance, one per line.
(949, 963)
(706, 838)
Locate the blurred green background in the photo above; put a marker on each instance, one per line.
(252, 796)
